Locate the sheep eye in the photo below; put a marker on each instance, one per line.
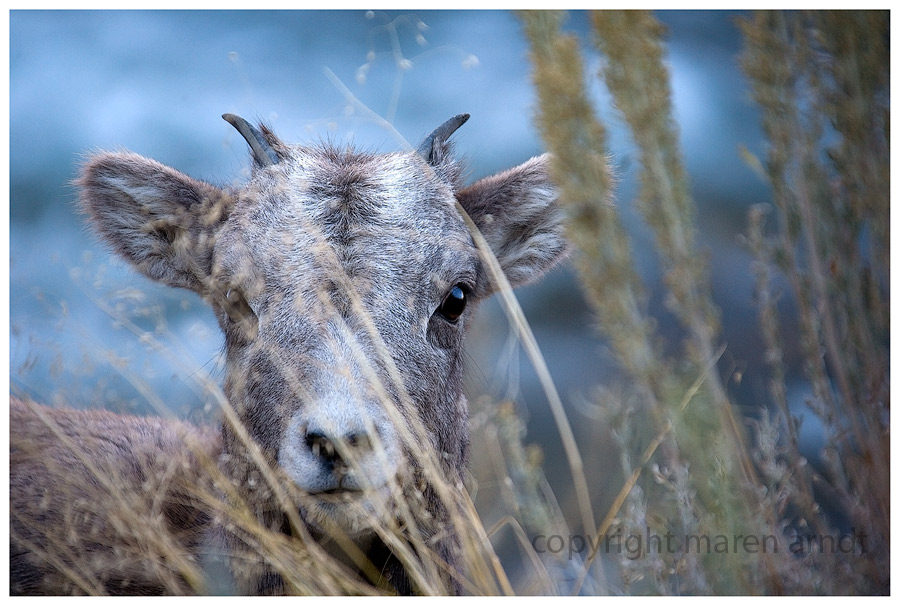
(453, 304)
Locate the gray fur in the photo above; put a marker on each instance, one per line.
(327, 272)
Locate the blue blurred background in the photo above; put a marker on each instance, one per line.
(157, 83)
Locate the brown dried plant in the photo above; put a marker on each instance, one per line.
(710, 477)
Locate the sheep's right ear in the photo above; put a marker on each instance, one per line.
(518, 214)
(160, 220)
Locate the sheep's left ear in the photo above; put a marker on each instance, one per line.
(518, 214)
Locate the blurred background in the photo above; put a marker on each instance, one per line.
(157, 83)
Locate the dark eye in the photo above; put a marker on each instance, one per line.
(239, 312)
(454, 303)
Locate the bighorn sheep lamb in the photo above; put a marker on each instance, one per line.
(343, 283)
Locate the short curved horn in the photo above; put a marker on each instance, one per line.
(262, 151)
(439, 136)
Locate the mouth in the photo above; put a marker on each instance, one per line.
(353, 512)
(337, 495)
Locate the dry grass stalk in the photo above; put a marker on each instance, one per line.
(809, 70)
(831, 245)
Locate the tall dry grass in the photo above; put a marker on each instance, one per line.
(695, 467)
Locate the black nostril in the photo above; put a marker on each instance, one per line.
(325, 448)
(360, 442)
(321, 446)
